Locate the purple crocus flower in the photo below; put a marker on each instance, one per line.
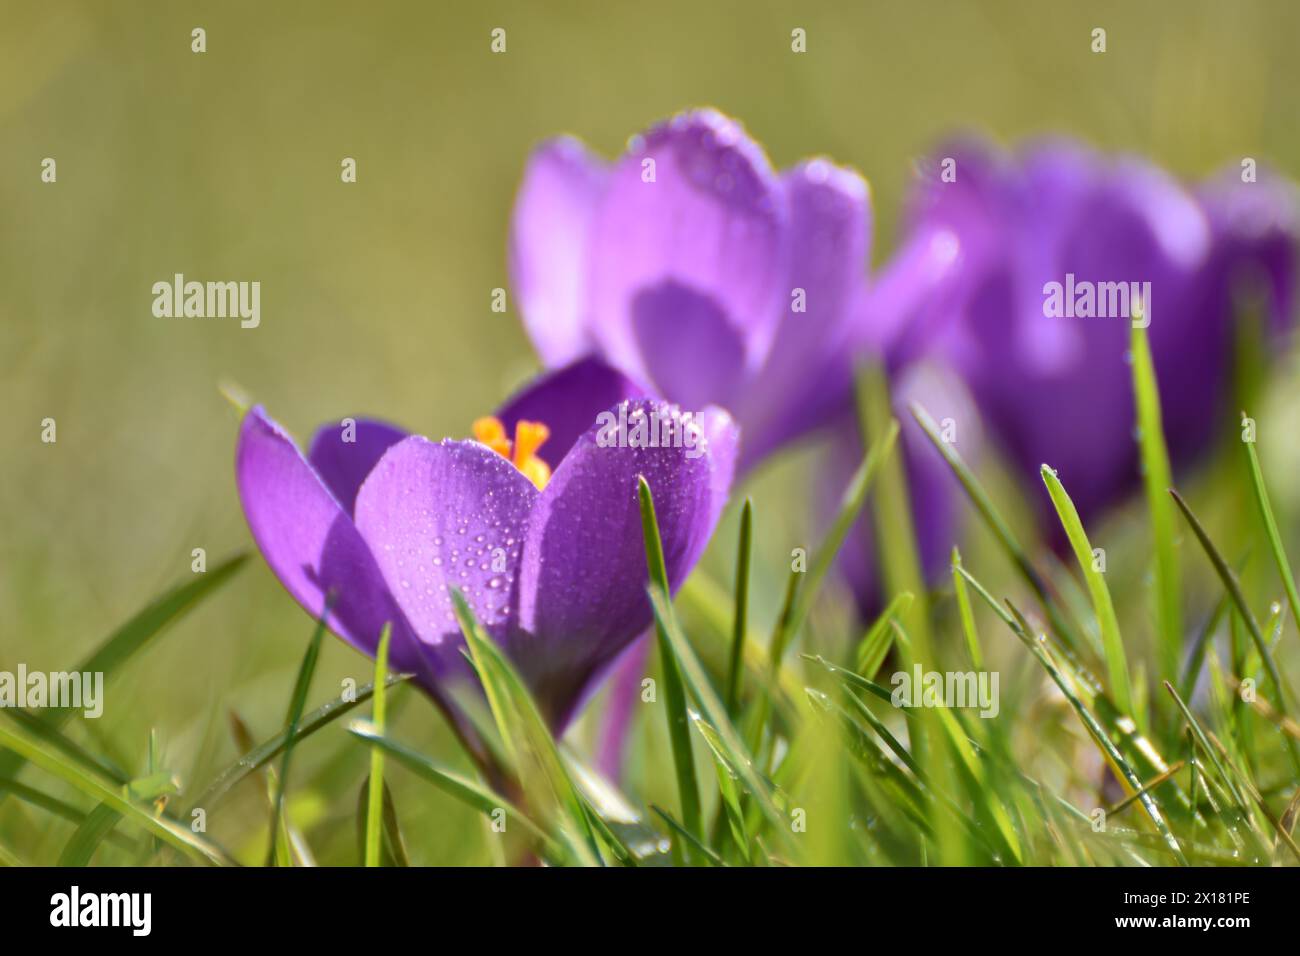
(693, 266)
(542, 534)
(1050, 248)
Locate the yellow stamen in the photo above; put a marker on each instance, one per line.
(492, 433)
(529, 436)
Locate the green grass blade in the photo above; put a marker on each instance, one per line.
(9, 858)
(1001, 530)
(1274, 536)
(895, 538)
(528, 741)
(1119, 764)
(773, 654)
(688, 789)
(974, 769)
(467, 791)
(57, 807)
(689, 837)
(1196, 657)
(1231, 780)
(1156, 479)
(740, 620)
(1112, 643)
(965, 613)
(875, 644)
(1233, 587)
(258, 757)
(47, 730)
(1113, 756)
(910, 787)
(132, 636)
(99, 823)
(802, 588)
(128, 639)
(616, 845)
(31, 749)
(1009, 849)
(1111, 720)
(856, 680)
(392, 847)
(375, 801)
(851, 504)
(702, 599)
(726, 775)
(297, 703)
(713, 708)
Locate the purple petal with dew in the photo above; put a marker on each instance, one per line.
(583, 579)
(443, 516)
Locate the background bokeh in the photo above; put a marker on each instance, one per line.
(376, 296)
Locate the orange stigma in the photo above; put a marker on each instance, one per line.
(529, 436)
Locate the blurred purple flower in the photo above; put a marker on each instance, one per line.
(1055, 389)
(546, 546)
(891, 328)
(690, 264)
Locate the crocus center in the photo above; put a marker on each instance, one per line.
(522, 452)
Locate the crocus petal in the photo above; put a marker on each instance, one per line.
(1256, 227)
(583, 581)
(442, 516)
(1250, 269)
(807, 376)
(311, 544)
(1129, 222)
(567, 402)
(721, 437)
(549, 244)
(694, 203)
(830, 228)
(899, 313)
(342, 463)
(973, 203)
(687, 344)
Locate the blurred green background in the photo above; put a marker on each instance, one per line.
(376, 296)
